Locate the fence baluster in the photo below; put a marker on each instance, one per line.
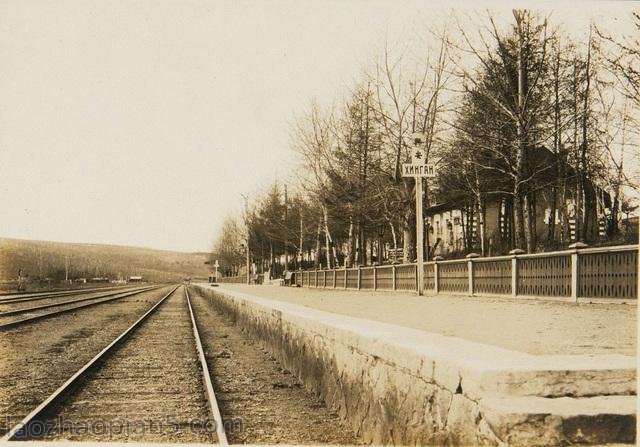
(375, 278)
(436, 274)
(574, 268)
(470, 257)
(515, 270)
(393, 277)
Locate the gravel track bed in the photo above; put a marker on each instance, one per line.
(153, 380)
(40, 356)
(260, 402)
(32, 302)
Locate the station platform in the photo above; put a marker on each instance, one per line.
(403, 369)
(524, 325)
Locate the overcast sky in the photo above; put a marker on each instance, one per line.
(142, 122)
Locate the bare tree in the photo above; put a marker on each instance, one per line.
(623, 57)
(407, 105)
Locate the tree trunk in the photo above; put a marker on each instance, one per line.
(500, 223)
(409, 232)
(586, 231)
(327, 236)
(362, 243)
(518, 220)
(394, 240)
(300, 248)
(533, 213)
(528, 223)
(551, 229)
(522, 221)
(482, 227)
(271, 260)
(612, 227)
(351, 246)
(464, 233)
(316, 262)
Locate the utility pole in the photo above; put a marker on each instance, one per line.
(246, 231)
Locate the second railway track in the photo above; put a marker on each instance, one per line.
(149, 384)
(17, 316)
(15, 298)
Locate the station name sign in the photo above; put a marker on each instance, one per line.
(418, 170)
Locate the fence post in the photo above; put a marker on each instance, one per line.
(375, 278)
(436, 274)
(345, 276)
(514, 270)
(359, 276)
(334, 277)
(575, 269)
(316, 281)
(470, 257)
(393, 276)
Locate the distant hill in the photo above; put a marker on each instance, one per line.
(43, 259)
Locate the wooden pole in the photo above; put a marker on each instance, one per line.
(419, 236)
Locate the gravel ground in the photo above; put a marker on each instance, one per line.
(153, 380)
(261, 401)
(526, 325)
(38, 357)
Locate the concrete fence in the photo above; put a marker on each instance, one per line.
(607, 272)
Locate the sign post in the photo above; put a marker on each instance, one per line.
(419, 169)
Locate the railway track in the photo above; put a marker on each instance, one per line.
(37, 302)
(153, 372)
(16, 317)
(43, 295)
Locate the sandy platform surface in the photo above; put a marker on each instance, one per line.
(526, 325)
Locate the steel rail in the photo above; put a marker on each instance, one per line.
(60, 303)
(9, 325)
(211, 397)
(43, 296)
(18, 431)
